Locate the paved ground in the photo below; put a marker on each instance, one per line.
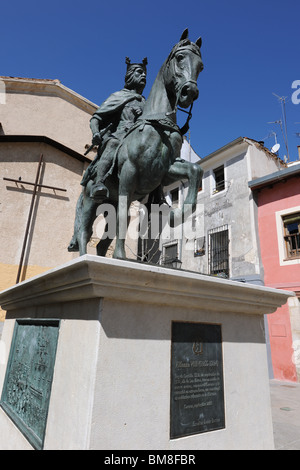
(285, 399)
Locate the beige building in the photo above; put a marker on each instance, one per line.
(39, 117)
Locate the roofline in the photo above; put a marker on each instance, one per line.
(45, 140)
(48, 86)
(245, 140)
(239, 140)
(274, 178)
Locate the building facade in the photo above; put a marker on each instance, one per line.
(278, 202)
(246, 228)
(229, 236)
(221, 237)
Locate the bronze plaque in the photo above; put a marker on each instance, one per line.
(27, 386)
(197, 390)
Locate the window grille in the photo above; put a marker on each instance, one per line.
(218, 251)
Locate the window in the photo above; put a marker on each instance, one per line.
(175, 197)
(219, 179)
(199, 246)
(291, 227)
(170, 255)
(218, 253)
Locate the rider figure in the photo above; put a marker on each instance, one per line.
(111, 122)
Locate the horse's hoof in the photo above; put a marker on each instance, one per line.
(73, 247)
(119, 254)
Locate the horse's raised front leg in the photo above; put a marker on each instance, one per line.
(184, 170)
(127, 184)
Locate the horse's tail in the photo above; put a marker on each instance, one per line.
(74, 245)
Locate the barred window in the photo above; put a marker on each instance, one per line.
(291, 227)
(218, 251)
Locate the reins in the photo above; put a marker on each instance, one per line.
(189, 112)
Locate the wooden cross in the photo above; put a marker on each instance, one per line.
(36, 186)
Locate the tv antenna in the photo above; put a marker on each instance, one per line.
(270, 135)
(276, 146)
(283, 127)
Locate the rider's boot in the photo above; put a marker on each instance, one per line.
(99, 191)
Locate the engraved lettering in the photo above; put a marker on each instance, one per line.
(197, 390)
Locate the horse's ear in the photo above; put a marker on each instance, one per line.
(199, 42)
(184, 34)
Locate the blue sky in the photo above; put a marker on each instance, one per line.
(250, 51)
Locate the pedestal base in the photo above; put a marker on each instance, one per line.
(123, 377)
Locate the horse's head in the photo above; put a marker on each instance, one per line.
(182, 69)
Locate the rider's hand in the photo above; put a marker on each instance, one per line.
(137, 112)
(97, 139)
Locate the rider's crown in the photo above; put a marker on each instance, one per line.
(131, 66)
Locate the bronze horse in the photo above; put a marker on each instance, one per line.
(149, 155)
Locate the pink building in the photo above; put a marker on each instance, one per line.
(278, 203)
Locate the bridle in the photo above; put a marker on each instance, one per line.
(189, 112)
(176, 108)
(178, 89)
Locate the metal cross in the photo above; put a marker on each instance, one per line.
(36, 186)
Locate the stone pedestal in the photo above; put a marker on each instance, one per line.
(131, 348)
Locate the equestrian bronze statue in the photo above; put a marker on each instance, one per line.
(139, 153)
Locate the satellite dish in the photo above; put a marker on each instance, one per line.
(275, 148)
